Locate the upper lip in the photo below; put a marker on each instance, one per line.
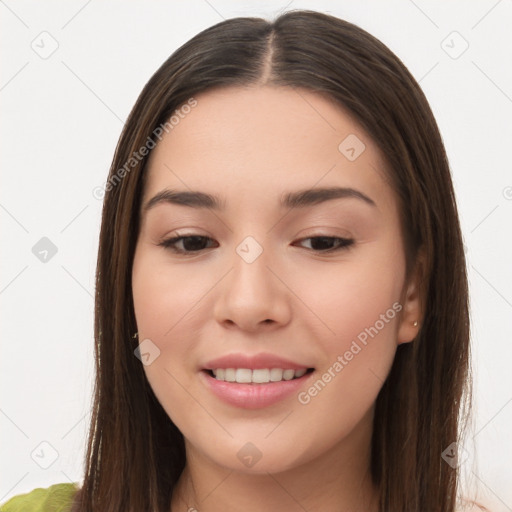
(253, 362)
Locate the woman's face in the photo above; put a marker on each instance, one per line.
(273, 279)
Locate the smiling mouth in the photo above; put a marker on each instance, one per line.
(257, 376)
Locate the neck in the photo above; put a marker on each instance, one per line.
(337, 480)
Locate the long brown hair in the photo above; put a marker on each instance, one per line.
(135, 454)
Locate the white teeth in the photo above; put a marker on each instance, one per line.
(261, 376)
(243, 375)
(229, 375)
(276, 374)
(288, 374)
(258, 376)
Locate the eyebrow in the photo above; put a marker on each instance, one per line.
(291, 200)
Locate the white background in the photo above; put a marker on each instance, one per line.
(61, 119)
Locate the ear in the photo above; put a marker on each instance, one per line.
(412, 303)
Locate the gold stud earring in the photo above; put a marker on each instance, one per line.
(135, 335)
(415, 323)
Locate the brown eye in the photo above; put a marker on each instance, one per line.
(189, 244)
(328, 243)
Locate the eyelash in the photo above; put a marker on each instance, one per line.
(344, 243)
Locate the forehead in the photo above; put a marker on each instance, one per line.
(246, 143)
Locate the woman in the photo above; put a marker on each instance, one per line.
(281, 308)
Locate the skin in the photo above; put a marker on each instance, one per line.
(249, 146)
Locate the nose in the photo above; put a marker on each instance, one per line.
(253, 297)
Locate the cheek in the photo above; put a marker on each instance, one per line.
(360, 306)
(350, 296)
(339, 403)
(164, 296)
(165, 300)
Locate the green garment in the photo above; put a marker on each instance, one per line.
(57, 498)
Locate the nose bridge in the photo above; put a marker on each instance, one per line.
(251, 275)
(252, 294)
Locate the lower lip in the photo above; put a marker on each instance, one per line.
(253, 396)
